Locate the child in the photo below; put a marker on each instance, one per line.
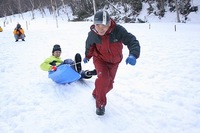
(54, 61)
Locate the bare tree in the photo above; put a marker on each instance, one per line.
(32, 8)
(177, 11)
(94, 6)
(65, 10)
(54, 8)
(20, 8)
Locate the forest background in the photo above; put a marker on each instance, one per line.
(127, 11)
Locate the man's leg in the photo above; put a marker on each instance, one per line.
(70, 62)
(112, 71)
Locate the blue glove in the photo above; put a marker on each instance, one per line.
(131, 60)
(85, 60)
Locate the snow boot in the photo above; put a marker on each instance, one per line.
(91, 73)
(100, 110)
(78, 66)
(88, 74)
(93, 96)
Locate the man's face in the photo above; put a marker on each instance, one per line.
(101, 29)
(57, 53)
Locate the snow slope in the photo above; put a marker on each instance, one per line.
(159, 95)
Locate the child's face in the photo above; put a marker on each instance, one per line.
(57, 53)
(101, 29)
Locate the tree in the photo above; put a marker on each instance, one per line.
(32, 8)
(177, 12)
(54, 8)
(94, 6)
(20, 8)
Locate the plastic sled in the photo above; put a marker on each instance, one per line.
(64, 74)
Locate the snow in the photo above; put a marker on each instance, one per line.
(159, 95)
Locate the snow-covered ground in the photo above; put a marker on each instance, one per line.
(160, 94)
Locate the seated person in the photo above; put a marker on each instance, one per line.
(19, 33)
(54, 61)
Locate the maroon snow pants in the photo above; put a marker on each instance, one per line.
(105, 78)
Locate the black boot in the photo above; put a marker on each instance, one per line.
(100, 110)
(78, 59)
(88, 74)
(84, 75)
(93, 96)
(91, 73)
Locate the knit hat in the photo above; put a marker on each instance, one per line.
(101, 17)
(18, 26)
(56, 47)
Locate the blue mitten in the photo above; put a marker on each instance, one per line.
(85, 60)
(131, 60)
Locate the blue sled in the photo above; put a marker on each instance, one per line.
(64, 74)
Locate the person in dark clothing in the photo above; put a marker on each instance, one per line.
(104, 43)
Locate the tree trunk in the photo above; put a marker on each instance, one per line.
(177, 12)
(54, 8)
(94, 6)
(20, 8)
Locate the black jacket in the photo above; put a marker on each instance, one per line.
(109, 46)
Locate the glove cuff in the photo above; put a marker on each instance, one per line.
(131, 55)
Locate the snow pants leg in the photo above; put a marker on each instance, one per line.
(70, 62)
(17, 37)
(105, 78)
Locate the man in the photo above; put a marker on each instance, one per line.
(104, 43)
(19, 33)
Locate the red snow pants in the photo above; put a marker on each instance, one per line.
(105, 78)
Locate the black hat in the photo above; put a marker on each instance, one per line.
(101, 17)
(56, 47)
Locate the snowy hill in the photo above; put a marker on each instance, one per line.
(158, 95)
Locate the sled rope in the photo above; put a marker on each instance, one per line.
(75, 63)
